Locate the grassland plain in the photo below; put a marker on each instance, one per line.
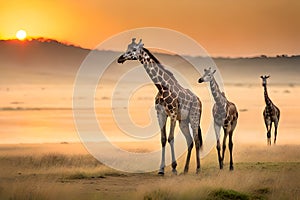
(261, 172)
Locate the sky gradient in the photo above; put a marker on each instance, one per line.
(223, 28)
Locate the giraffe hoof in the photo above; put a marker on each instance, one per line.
(161, 173)
(185, 171)
(174, 171)
(231, 168)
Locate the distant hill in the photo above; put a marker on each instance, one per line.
(24, 60)
(50, 61)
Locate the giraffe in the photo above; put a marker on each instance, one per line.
(225, 115)
(271, 113)
(172, 100)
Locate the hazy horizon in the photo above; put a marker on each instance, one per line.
(69, 44)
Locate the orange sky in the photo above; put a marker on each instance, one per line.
(222, 27)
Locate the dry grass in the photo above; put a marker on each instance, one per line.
(63, 176)
(50, 160)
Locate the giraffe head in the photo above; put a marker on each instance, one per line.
(133, 51)
(264, 80)
(207, 76)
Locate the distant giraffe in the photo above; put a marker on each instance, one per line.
(225, 115)
(172, 101)
(271, 112)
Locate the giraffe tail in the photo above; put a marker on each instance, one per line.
(200, 136)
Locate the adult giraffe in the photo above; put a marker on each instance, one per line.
(271, 112)
(172, 100)
(225, 115)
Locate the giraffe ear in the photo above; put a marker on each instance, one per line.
(268, 76)
(261, 76)
(214, 71)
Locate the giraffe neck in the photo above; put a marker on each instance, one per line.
(161, 77)
(267, 99)
(220, 99)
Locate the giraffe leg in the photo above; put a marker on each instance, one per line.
(217, 132)
(194, 120)
(230, 144)
(171, 142)
(162, 119)
(268, 126)
(224, 144)
(196, 134)
(184, 127)
(276, 126)
(269, 134)
(276, 123)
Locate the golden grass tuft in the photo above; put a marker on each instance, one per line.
(159, 195)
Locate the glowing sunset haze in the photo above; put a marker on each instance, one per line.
(224, 28)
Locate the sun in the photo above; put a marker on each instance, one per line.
(21, 34)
